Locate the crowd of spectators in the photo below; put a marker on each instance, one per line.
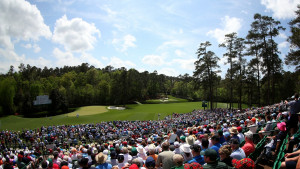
(219, 138)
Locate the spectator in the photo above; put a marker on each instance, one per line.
(165, 158)
(186, 153)
(237, 152)
(216, 145)
(150, 163)
(224, 153)
(294, 109)
(101, 161)
(249, 145)
(178, 161)
(196, 149)
(210, 157)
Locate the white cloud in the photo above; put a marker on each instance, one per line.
(179, 53)
(282, 35)
(172, 43)
(36, 47)
(117, 63)
(68, 58)
(9, 57)
(20, 21)
(65, 58)
(153, 60)
(283, 45)
(168, 72)
(230, 24)
(76, 35)
(40, 62)
(282, 9)
(186, 64)
(125, 42)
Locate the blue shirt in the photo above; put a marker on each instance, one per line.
(198, 159)
(104, 166)
(216, 147)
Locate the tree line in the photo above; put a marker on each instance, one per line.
(260, 81)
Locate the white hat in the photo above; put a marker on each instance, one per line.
(140, 149)
(186, 148)
(176, 144)
(285, 113)
(105, 152)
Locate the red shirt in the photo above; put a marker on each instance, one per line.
(248, 148)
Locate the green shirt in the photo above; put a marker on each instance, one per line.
(216, 165)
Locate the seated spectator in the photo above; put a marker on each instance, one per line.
(186, 153)
(210, 158)
(227, 138)
(150, 163)
(224, 153)
(240, 134)
(216, 145)
(249, 145)
(101, 161)
(196, 149)
(178, 161)
(268, 127)
(165, 158)
(234, 132)
(237, 152)
(177, 149)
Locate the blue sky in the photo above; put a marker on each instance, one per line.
(145, 35)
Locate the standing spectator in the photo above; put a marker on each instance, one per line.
(294, 109)
(165, 158)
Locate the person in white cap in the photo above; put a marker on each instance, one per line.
(177, 149)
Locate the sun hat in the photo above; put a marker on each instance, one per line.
(186, 148)
(245, 163)
(281, 126)
(140, 149)
(233, 130)
(190, 140)
(101, 158)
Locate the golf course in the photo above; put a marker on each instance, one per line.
(96, 114)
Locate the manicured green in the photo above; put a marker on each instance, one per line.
(132, 112)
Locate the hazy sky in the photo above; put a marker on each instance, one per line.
(161, 35)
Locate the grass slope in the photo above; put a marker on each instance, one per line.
(96, 114)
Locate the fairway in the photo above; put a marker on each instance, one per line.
(88, 110)
(97, 114)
